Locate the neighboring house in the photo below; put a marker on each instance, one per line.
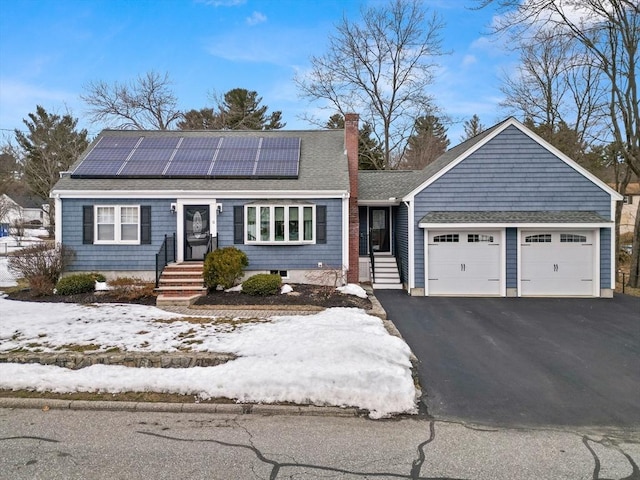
(630, 208)
(25, 209)
(502, 214)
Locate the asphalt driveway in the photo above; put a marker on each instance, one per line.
(516, 361)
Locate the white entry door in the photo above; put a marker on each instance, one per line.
(557, 263)
(465, 263)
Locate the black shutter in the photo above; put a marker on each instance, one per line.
(238, 224)
(87, 224)
(321, 224)
(145, 225)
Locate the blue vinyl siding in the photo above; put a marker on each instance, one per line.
(401, 216)
(142, 257)
(512, 257)
(511, 172)
(115, 257)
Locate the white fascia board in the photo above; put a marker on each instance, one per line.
(258, 194)
(528, 226)
(515, 123)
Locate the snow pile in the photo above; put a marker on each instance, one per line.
(353, 289)
(341, 356)
(286, 288)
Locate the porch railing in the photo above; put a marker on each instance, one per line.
(212, 244)
(372, 258)
(165, 255)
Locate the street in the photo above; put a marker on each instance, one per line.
(66, 444)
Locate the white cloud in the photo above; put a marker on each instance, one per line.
(469, 60)
(256, 18)
(223, 3)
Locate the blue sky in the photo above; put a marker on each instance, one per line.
(50, 50)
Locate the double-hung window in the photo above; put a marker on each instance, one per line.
(276, 223)
(117, 224)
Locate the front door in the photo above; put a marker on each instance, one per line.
(196, 231)
(379, 229)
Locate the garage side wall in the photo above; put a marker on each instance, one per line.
(511, 172)
(512, 261)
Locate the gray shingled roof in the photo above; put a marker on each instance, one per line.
(384, 184)
(514, 217)
(323, 166)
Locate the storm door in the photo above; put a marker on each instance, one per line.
(379, 229)
(196, 231)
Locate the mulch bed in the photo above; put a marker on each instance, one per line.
(313, 295)
(302, 294)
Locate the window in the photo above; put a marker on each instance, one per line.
(280, 223)
(449, 238)
(570, 238)
(282, 273)
(541, 238)
(627, 200)
(476, 238)
(117, 224)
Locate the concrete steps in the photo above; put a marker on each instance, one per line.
(386, 273)
(181, 284)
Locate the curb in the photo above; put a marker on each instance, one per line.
(219, 408)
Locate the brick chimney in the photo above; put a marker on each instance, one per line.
(351, 145)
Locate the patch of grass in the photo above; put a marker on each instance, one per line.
(71, 347)
(195, 320)
(117, 397)
(113, 350)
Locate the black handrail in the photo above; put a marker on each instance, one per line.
(212, 244)
(165, 255)
(371, 257)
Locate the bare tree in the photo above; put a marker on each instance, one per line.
(609, 33)
(379, 67)
(144, 103)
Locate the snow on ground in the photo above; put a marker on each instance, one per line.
(353, 289)
(341, 356)
(10, 244)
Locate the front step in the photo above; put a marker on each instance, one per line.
(181, 284)
(386, 273)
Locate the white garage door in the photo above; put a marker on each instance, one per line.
(557, 263)
(464, 263)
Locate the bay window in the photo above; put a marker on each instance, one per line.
(280, 223)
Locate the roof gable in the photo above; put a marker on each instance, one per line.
(458, 154)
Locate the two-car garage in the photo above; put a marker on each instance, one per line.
(543, 262)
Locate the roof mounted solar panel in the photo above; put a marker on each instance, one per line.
(156, 156)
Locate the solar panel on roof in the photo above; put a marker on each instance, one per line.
(172, 156)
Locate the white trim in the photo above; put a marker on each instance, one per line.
(58, 219)
(213, 218)
(345, 235)
(425, 247)
(411, 245)
(572, 226)
(117, 225)
(515, 123)
(596, 263)
(286, 211)
(200, 194)
(612, 261)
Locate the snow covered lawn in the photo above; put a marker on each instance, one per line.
(341, 356)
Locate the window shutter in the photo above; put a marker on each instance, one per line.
(238, 224)
(87, 224)
(145, 225)
(321, 224)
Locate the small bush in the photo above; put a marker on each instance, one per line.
(224, 267)
(98, 277)
(75, 284)
(41, 265)
(262, 284)
(131, 289)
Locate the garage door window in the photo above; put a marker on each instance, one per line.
(476, 238)
(449, 238)
(541, 238)
(570, 238)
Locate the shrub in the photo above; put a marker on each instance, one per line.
(41, 265)
(224, 267)
(74, 284)
(131, 289)
(262, 284)
(98, 277)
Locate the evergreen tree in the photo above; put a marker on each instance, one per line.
(472, 128)
(427, 143)
(370, 154)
